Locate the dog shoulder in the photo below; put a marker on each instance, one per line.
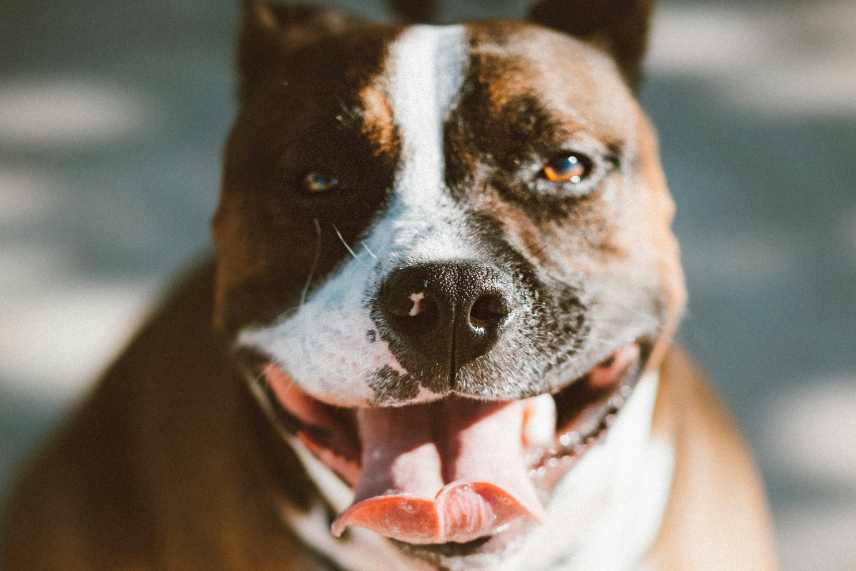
(77, 505)
(157, 466)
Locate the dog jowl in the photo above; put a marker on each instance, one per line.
(444, 253)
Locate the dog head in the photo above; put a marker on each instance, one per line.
(451, 241)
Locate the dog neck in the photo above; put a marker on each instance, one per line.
(605, 513)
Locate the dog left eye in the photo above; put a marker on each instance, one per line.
(315, 182)
(567, 167)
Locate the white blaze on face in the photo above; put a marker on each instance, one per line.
(427, 65)
(426, 72)
(326, 345)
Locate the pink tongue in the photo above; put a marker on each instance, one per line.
(448, 471)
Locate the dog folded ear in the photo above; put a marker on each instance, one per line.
(268, 29)
(618, 26)
(415, 10)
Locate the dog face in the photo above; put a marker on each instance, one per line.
(444, 219)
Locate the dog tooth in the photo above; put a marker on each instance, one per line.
(570, 439)
(540, 427)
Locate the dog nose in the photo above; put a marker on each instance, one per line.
(445, 313)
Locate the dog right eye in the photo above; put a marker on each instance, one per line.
(567, 168)
(315, 183)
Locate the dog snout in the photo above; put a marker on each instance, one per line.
(446, 313)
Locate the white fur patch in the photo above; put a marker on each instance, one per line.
(426, 73)
(426, 70)
(327, 345)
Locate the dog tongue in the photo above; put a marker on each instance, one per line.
(450, 471)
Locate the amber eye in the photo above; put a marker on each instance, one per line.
(316, 182)
(567, 167)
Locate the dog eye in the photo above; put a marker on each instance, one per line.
(567, 167)
(317, 182)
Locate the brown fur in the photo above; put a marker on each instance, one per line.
(169, 464)
(166, 465)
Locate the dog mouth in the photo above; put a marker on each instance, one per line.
(449, 476)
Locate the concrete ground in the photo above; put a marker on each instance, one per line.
(112, 116)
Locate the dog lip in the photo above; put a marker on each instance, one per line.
(583, 427)
(329, 440)
(466, 555)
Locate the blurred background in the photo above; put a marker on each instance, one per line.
(112, 118)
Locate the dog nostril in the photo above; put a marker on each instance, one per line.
(489, 309)
(437, 315)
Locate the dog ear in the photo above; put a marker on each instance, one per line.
(618, 26)
(267, 30)
(415, 10)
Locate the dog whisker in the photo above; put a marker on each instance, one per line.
(314, 266)
(305, 343)
(369, 250)
(346, 245)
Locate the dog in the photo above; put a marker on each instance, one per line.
(436, 332)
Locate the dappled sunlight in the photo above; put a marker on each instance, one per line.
(56, 339)
(811, 431)
(809, 440)
(25, 194)
(741, 260)
(29, 269)
(850, 233)
(818, 537)
(47, 112)
(704, 40)
(796, 60)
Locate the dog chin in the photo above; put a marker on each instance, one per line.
(457, 481)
